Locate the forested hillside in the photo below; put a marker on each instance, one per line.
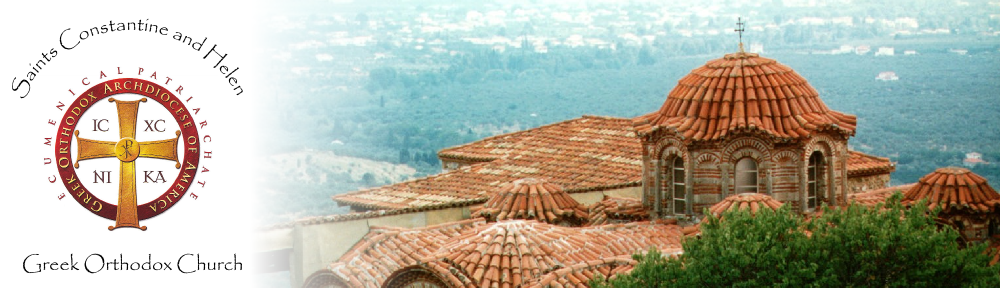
(397, 85)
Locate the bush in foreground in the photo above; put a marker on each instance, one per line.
(886, 246)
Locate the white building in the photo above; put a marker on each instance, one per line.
(885, 51)
(887, 76)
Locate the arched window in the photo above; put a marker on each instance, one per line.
(994, 228)
(815, 180)
(746, 176)
(414, 278)
(677, 186)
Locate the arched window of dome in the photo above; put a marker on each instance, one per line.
(672, 179)
(815, 181)
(994, 228)
(677, 187)
(746, 176)
(414, 278)
(422, 284)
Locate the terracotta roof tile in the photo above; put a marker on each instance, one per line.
(743, 91)
(752, 202)
(954, 188)
(616, 210)
(316, 220)
(877, 196)
(386, 249)
(532, 198)
(581, 273)
(597, 136)
(584, 154)
(512, 253)
(861, 164)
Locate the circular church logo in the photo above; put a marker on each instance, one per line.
(127, 139)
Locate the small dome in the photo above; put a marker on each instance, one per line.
(512, 253)
(743, 91)
(532, 198)
(954, 188)
(752, 202)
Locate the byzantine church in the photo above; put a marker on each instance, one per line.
(560, 204)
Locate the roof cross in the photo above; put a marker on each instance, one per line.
(739, 29)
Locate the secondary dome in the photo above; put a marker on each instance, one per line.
(743, 91)
(752, 202)
(532, 198)
(954, 188)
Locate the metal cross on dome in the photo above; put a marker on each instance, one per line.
(739, 24)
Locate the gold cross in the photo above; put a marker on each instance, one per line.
(127, 150)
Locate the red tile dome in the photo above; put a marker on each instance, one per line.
(752, 202)
(743, 91)
(954, 188)
(532, 198)
(513, 253)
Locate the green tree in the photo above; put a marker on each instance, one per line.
(381, 78)
(888, 246)
(368, 179)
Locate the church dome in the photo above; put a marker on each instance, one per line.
(752, 202)
(532, 198)
(744, 92)
(954, 188)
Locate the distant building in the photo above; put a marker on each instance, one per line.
(959, 51)
(973, 158)
(887, 76)
(862, 49)
(910, 52)
(885, 51)
(844, 49)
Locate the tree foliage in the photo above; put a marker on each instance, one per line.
(888, 246)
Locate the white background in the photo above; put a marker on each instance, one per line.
(216, 225)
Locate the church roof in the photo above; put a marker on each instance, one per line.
(579, 274)
(861, 164)
(954, 188)
(583, 154)
(598, 138)
(611, 209)
(877, 196)
(532, 198)
(589, 153)
(752, 202)
(514, 253)
(387, 249)
(744, 92)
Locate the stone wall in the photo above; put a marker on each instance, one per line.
(858, 184)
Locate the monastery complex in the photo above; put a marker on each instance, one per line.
(559, 204)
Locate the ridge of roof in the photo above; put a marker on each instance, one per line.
(459, 152)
